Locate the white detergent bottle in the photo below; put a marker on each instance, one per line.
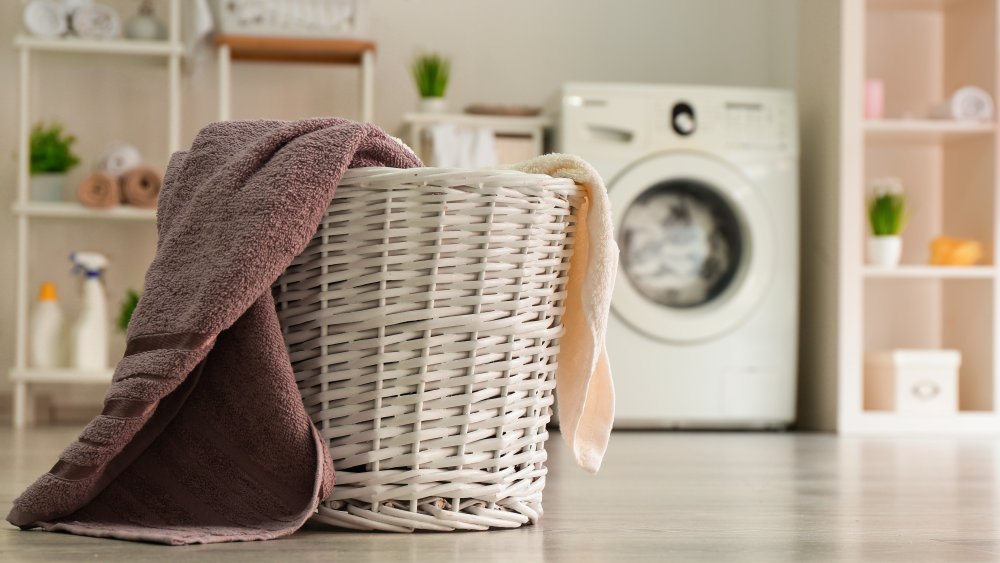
(89, 339)
(46, 329)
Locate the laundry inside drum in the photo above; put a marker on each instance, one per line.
(682, 244)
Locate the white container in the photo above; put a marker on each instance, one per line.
(874, 99)
(89, 339)
(48, 186)
(885, 251)
(433, 105)
(46, 329)
(913, 381)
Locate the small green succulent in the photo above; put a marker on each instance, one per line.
(431, 72)
(51, 149)
(887, 211)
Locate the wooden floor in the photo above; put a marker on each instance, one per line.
(660, 497)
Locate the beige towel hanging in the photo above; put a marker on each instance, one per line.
(584, 388)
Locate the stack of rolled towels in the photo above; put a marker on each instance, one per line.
(121, 178)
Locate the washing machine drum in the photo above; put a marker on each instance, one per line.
(697, 247)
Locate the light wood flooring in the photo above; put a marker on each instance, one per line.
(660, 497)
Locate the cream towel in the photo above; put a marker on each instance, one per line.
(584, 389)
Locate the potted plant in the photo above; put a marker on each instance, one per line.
(51, 158)
(431, 72)
(129, 304)
(887, 215)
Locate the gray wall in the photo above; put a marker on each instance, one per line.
(819, 105)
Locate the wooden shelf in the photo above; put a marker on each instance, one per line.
(295, 49)
(72, 210)
(106, 46)
(912, 5)
(930, 272)
(60, 375)
(498, 123)
(925, 129)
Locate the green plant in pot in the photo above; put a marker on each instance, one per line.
(887, 217)
(431, 72)
(51, 157)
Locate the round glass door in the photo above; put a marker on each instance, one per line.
(697, 247)
(681, 244)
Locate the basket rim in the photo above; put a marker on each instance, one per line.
(436, 176)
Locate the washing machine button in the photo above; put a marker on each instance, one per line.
(683, 119)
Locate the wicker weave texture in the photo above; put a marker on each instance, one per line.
(423, 323)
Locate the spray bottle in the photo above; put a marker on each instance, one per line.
(89, 339)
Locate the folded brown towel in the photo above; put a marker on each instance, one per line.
(141, 187)
(100, 190)
(204, 437)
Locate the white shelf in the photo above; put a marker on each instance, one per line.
(60, 375)
(502, 124)
(72, 210)
(925, 129)
(105, 46)
(891, 423)
(930, 272)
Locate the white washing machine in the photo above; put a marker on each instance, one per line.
(704, 190)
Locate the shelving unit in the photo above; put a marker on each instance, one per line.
(170, 51)
(922, 50)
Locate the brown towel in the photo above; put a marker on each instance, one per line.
(99, 190)
(204, 437)
(141, 187)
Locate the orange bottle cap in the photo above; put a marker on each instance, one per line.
(48, 292)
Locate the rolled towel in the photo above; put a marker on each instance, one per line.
(99, 190)
(119, 159)
(966, 104)
(96, 21)
(46, 18)
(141, 187)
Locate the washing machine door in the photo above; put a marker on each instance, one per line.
(697, 246)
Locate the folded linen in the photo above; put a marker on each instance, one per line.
(204, 437)
(96, 21)
(456, 146)
(584, 388)
(141, 186)
(119, 159)
(99, 190)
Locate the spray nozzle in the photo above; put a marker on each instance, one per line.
(91, 264)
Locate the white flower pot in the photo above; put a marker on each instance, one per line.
(433, 105)
(885, 251)
(48, 186)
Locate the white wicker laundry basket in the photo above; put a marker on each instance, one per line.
(423, 323)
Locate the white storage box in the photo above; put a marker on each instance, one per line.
(913, 381)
